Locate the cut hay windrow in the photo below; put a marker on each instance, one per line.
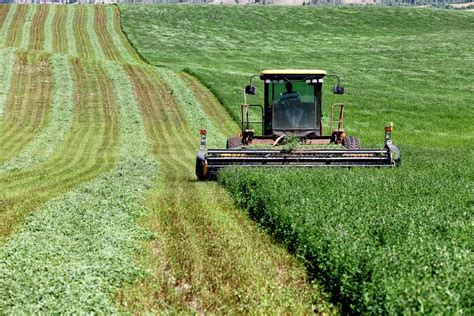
(79, 248)
(15, 28)
(25, 38)
(127, 52)
(384, 241)
(73, 203)
(3, 13)
(211, 106)
(8, 57)
(104, 36)
(27, 105)
(38, 27)
(193, 111)
(59, 28)
(6, 23)
(43, 146)
(142, 79)
(87, 150)
(48, 29)
(81, 31)
(201, 258)
(70, 36)
(90, 29)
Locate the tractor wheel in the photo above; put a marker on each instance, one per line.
(351, 142)
(234, 142)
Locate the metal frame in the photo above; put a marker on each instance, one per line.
(340, 125)
(245, 108)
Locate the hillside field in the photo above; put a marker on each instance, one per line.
(383, 241)
(99, 208)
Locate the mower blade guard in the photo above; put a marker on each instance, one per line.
(215, 159)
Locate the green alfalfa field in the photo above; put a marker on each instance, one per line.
(382, 241)
(100, 211)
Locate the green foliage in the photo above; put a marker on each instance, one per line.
(196, 118)
(26, 27)
(6, 23)
(407, 65)
(384, 241)
(70, 255)
(48, 36)
(62, 105)
(6, 71)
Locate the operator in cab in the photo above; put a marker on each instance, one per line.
(290, 100)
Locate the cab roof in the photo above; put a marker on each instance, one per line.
(271, 72)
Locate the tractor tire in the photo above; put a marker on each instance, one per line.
(351, 142)
(234, 142)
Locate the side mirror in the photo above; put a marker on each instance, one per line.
(338, 90)
(250, 90)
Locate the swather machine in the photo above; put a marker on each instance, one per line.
(292, 111)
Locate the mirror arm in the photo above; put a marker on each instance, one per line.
(338, 78)
(250, 81)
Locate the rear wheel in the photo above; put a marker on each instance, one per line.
(234, 142)
(351, 142)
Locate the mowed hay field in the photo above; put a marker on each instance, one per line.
(383, 241)
(100, 211)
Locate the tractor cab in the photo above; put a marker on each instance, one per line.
(292, 102)
(291, 105)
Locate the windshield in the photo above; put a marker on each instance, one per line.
(294, 105)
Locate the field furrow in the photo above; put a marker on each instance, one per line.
(127, 52)
(15, 29)
(193, 111)
(37, 30)
(8, 57)
(6, 24)
(59, 30)
(81, 33)
(86, 151)
(208, 256)
(28, 103)
(48, 28)
(103, 34)
(70, 34)
(80, 246)
(384, 242)
(95, 41)
(79, 166)
(3, 13)
(25, 37)
(211, 106)
(44, 145)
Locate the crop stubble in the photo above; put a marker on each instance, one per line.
(3, 13)
(121, 42)
(208, 256)
(62, 105)
(213, 107)
(37, 31)
(27, 105)
(231, 267)
(81, 34)
(100, 28)
(87, 150)
(15, 29)
(60, 43)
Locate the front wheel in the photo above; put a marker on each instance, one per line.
(351, 142)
